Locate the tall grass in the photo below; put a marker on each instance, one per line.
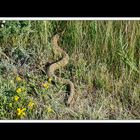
(104, 65)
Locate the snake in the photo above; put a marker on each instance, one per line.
(59, 64)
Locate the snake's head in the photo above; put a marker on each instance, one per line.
(56, 36)
(55, 39)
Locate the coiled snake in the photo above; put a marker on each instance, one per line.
(59, 64)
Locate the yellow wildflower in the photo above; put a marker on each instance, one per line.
(31, 104)
(45, 85)
(21, 112)
(18, 90)
(50, 110)
(18, 79)
(16, 98)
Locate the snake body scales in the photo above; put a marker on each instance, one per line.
(59, 64)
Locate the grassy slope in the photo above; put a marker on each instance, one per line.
(104, 66)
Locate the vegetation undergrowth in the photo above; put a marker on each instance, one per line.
(104, 67)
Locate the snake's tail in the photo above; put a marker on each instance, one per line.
(70, 88)
(71, 91)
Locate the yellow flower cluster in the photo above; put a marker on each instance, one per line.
(21, 112)
(18, 79)
(31, 104)
(47, 84)
(19, 90)
(16, 98)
